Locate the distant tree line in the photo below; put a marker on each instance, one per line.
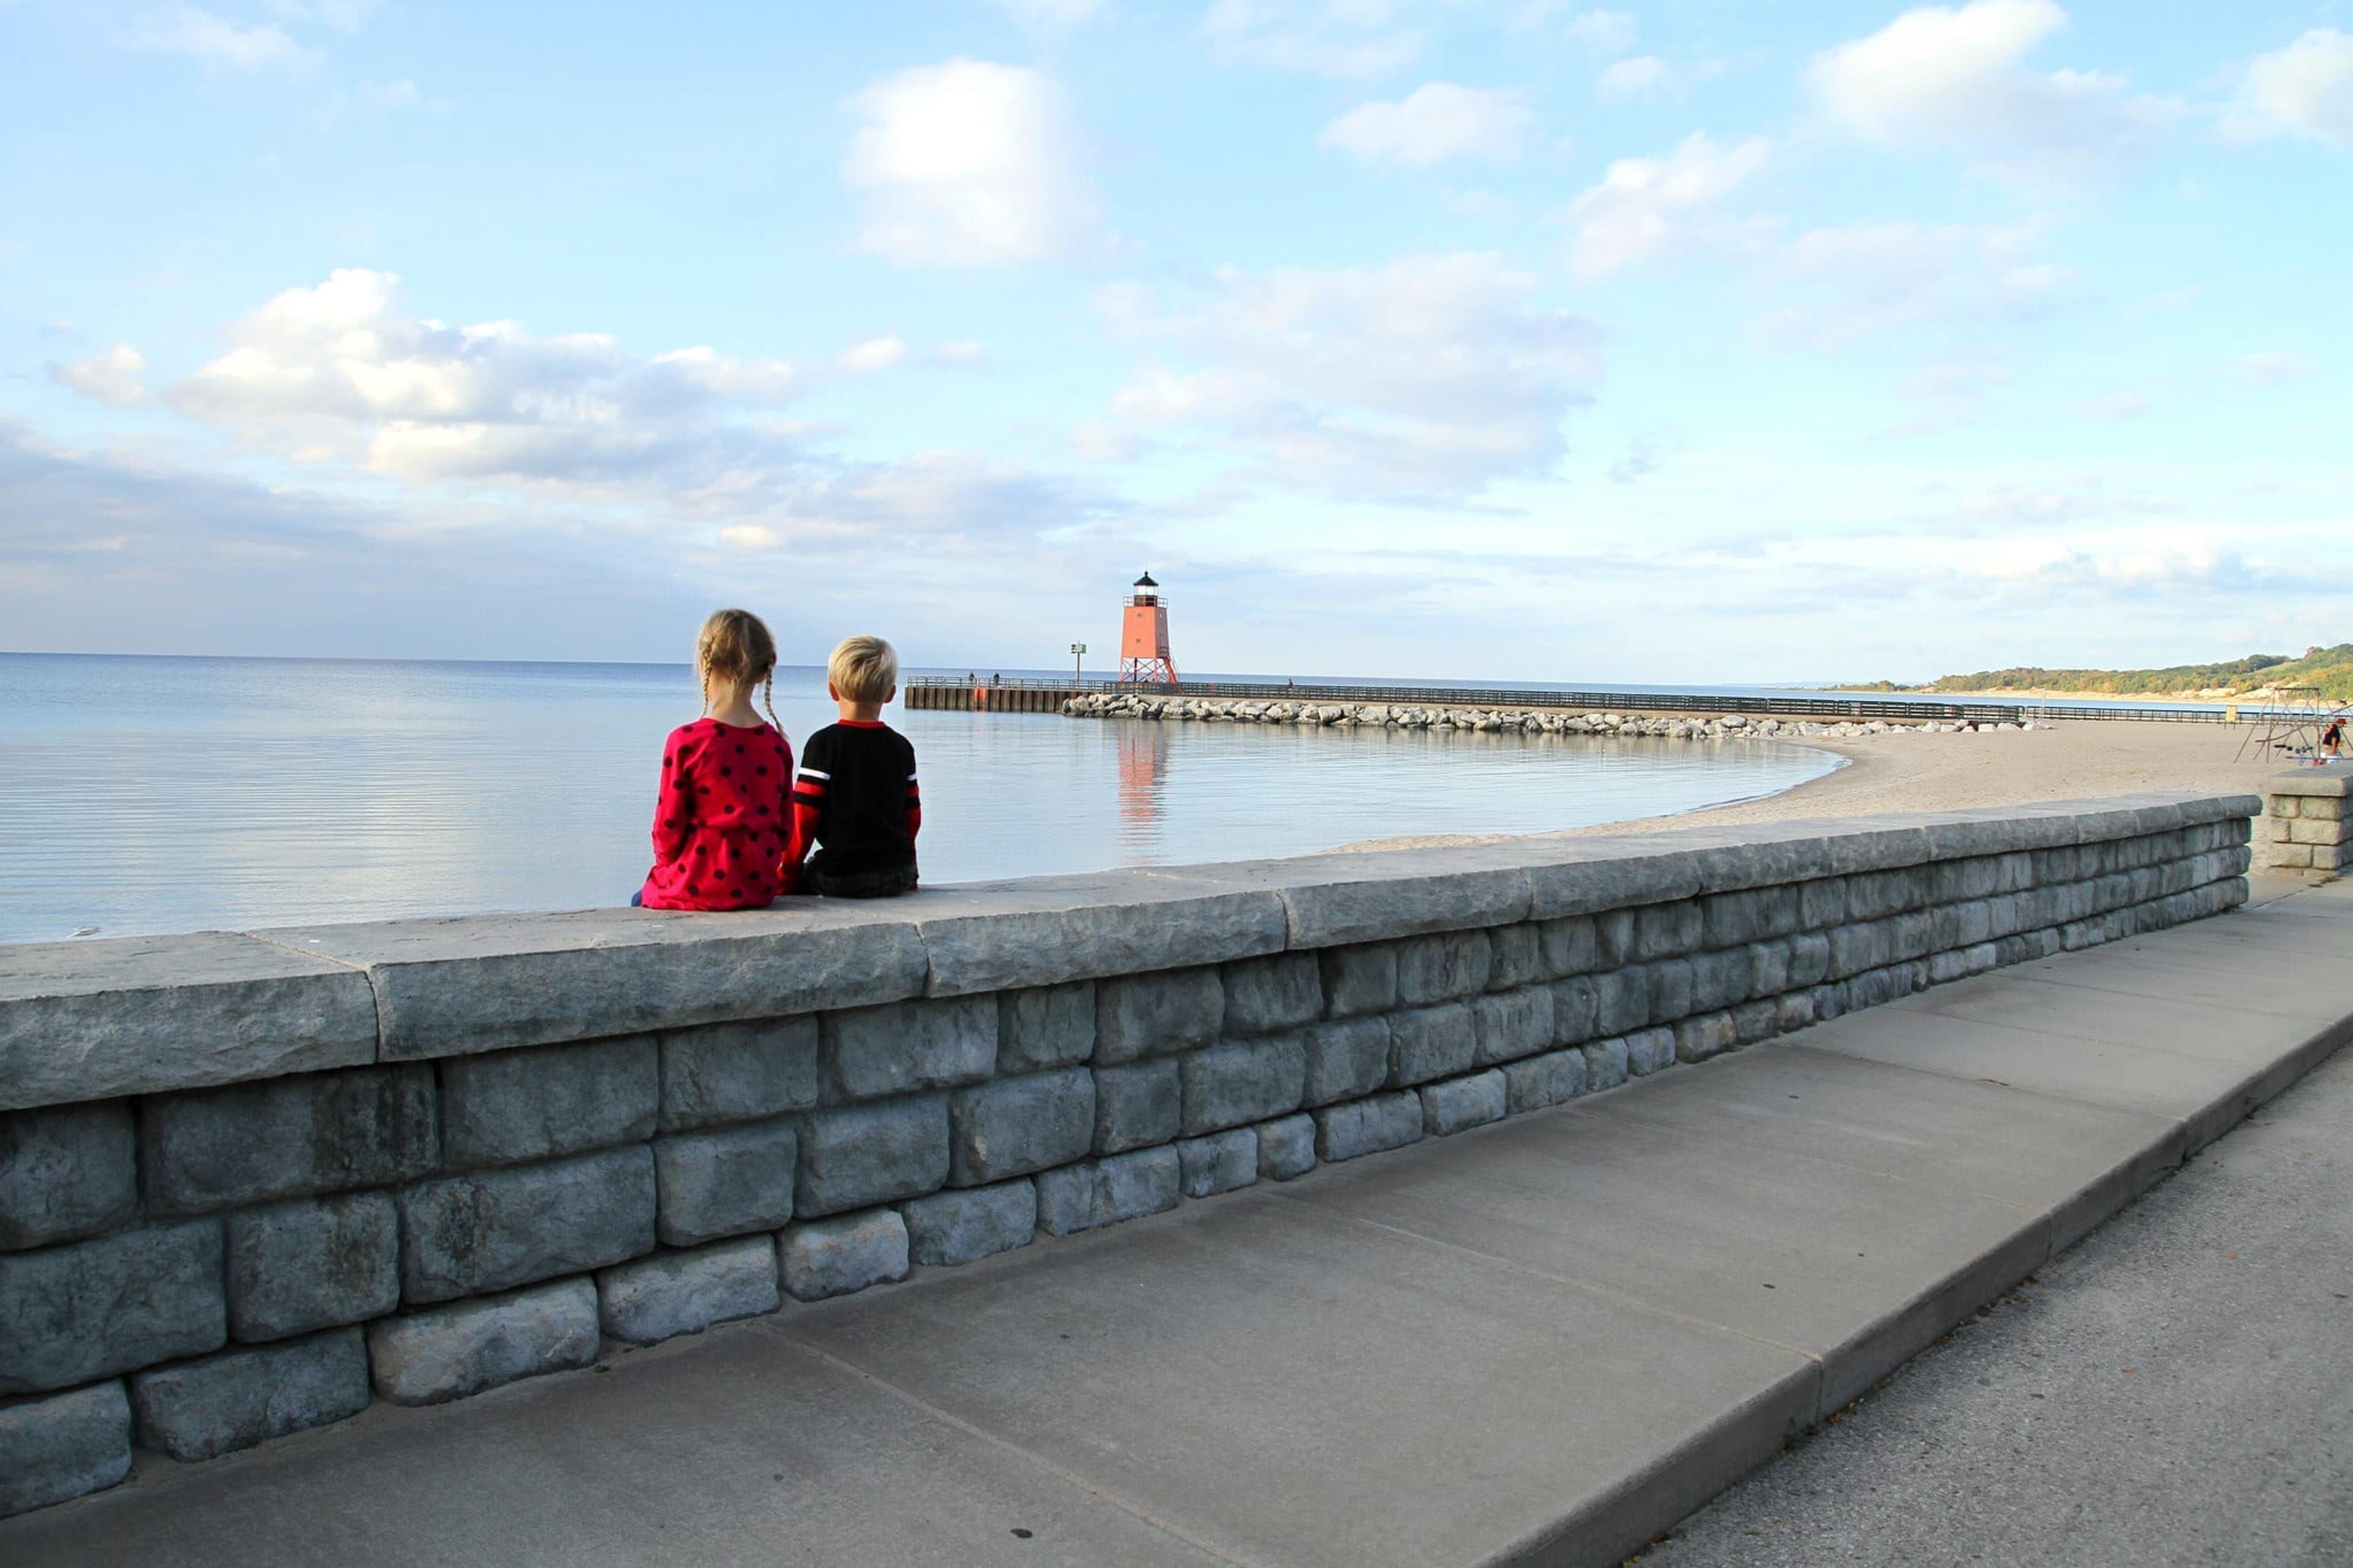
(2330, 668)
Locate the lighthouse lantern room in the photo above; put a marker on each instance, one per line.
(1143, 655)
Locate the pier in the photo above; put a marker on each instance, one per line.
(1035, 694)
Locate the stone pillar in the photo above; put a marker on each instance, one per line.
(2304, 817)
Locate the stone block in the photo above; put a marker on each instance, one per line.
(1669, 931)
(1138, 1106)
(1946, 967)
(1752, 914)
(1569, 946)
(1518, 957)
(1548, 1080)
(1359, 981)
(1720, 979)
(1821, 904)
(1872, 895)
(1242, 1081)
(487, 1230)
(673, 1293)
(1757, 1020)
(1286, 1147)
(1462, 1102)
(1443, 968)
(1346, 1058)
(1509, 1024)
(1017, 1125)
(447, 1352)
(1708, 1034)
(730, 1181)
(828, 1258)
(1369, 1126)
(2309, 830)
(1621, 1000)
(1428, 1043)
(216, 1149)
(1220, 1162)
(1045, 1026)
(1648, 1050)
(1856, 948)
(1810, 959)
(1577, 1009)
(200, 1409)
(311, 1263)
(1768, 968)
(738, 1072)
(1613, 937)
(1153, 1014)
(1384, 895)
(901, 1047)
(94, 1019)
(966, 1224)
(63, 1447)
(1605, 1065)
(511, 1106)
(1671, 988)
(1267, 994)
(1104, 1192)
(860, 1155)
(1045, 931)
(66, 1173)
(89, 1309)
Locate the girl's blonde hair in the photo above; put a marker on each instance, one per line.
(735, 647)
(863, 669)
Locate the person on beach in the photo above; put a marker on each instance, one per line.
(2332, 740)
(854, 800)
(722, 818)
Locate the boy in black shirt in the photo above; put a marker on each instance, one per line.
(854, 799)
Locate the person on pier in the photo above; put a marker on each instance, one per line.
(855, 808)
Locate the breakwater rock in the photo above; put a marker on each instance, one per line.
(1309, 714)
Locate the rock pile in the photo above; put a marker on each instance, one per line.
(1308, 714)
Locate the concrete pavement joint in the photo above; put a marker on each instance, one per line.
(1005, 1445)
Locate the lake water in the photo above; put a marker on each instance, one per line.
(141, 795)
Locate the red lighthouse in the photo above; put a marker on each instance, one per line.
(1144, 637)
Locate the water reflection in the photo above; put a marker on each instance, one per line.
(1143, 780)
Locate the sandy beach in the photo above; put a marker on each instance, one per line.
(2082, 760)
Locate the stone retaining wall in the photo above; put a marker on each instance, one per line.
(2305, 820)
(250, 1183)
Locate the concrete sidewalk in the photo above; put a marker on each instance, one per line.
(1541, 1341)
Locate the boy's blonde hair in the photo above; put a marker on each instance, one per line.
(734, 646)
(863, 669)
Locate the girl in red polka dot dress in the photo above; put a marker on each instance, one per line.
(721, 821)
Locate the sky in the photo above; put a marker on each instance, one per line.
(1477, 338)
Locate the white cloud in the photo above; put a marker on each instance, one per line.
(1337, 38)
(1850, 280)
(213, 40)
(961, 351)
(2305, 87)
(1437, 122)
(874, 353)
(1422, 380)
(1603, 32)
(114, 376)
(1943, 77)
(1051, 15)
(2274, 369)
(344, 375)
(1642, 77)
(965, 165)
(1646, 209)
(342, 15)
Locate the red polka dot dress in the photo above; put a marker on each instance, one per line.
(721, 821)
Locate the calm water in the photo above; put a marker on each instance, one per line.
(141, 796)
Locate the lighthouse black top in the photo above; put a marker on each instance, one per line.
(854, 800)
